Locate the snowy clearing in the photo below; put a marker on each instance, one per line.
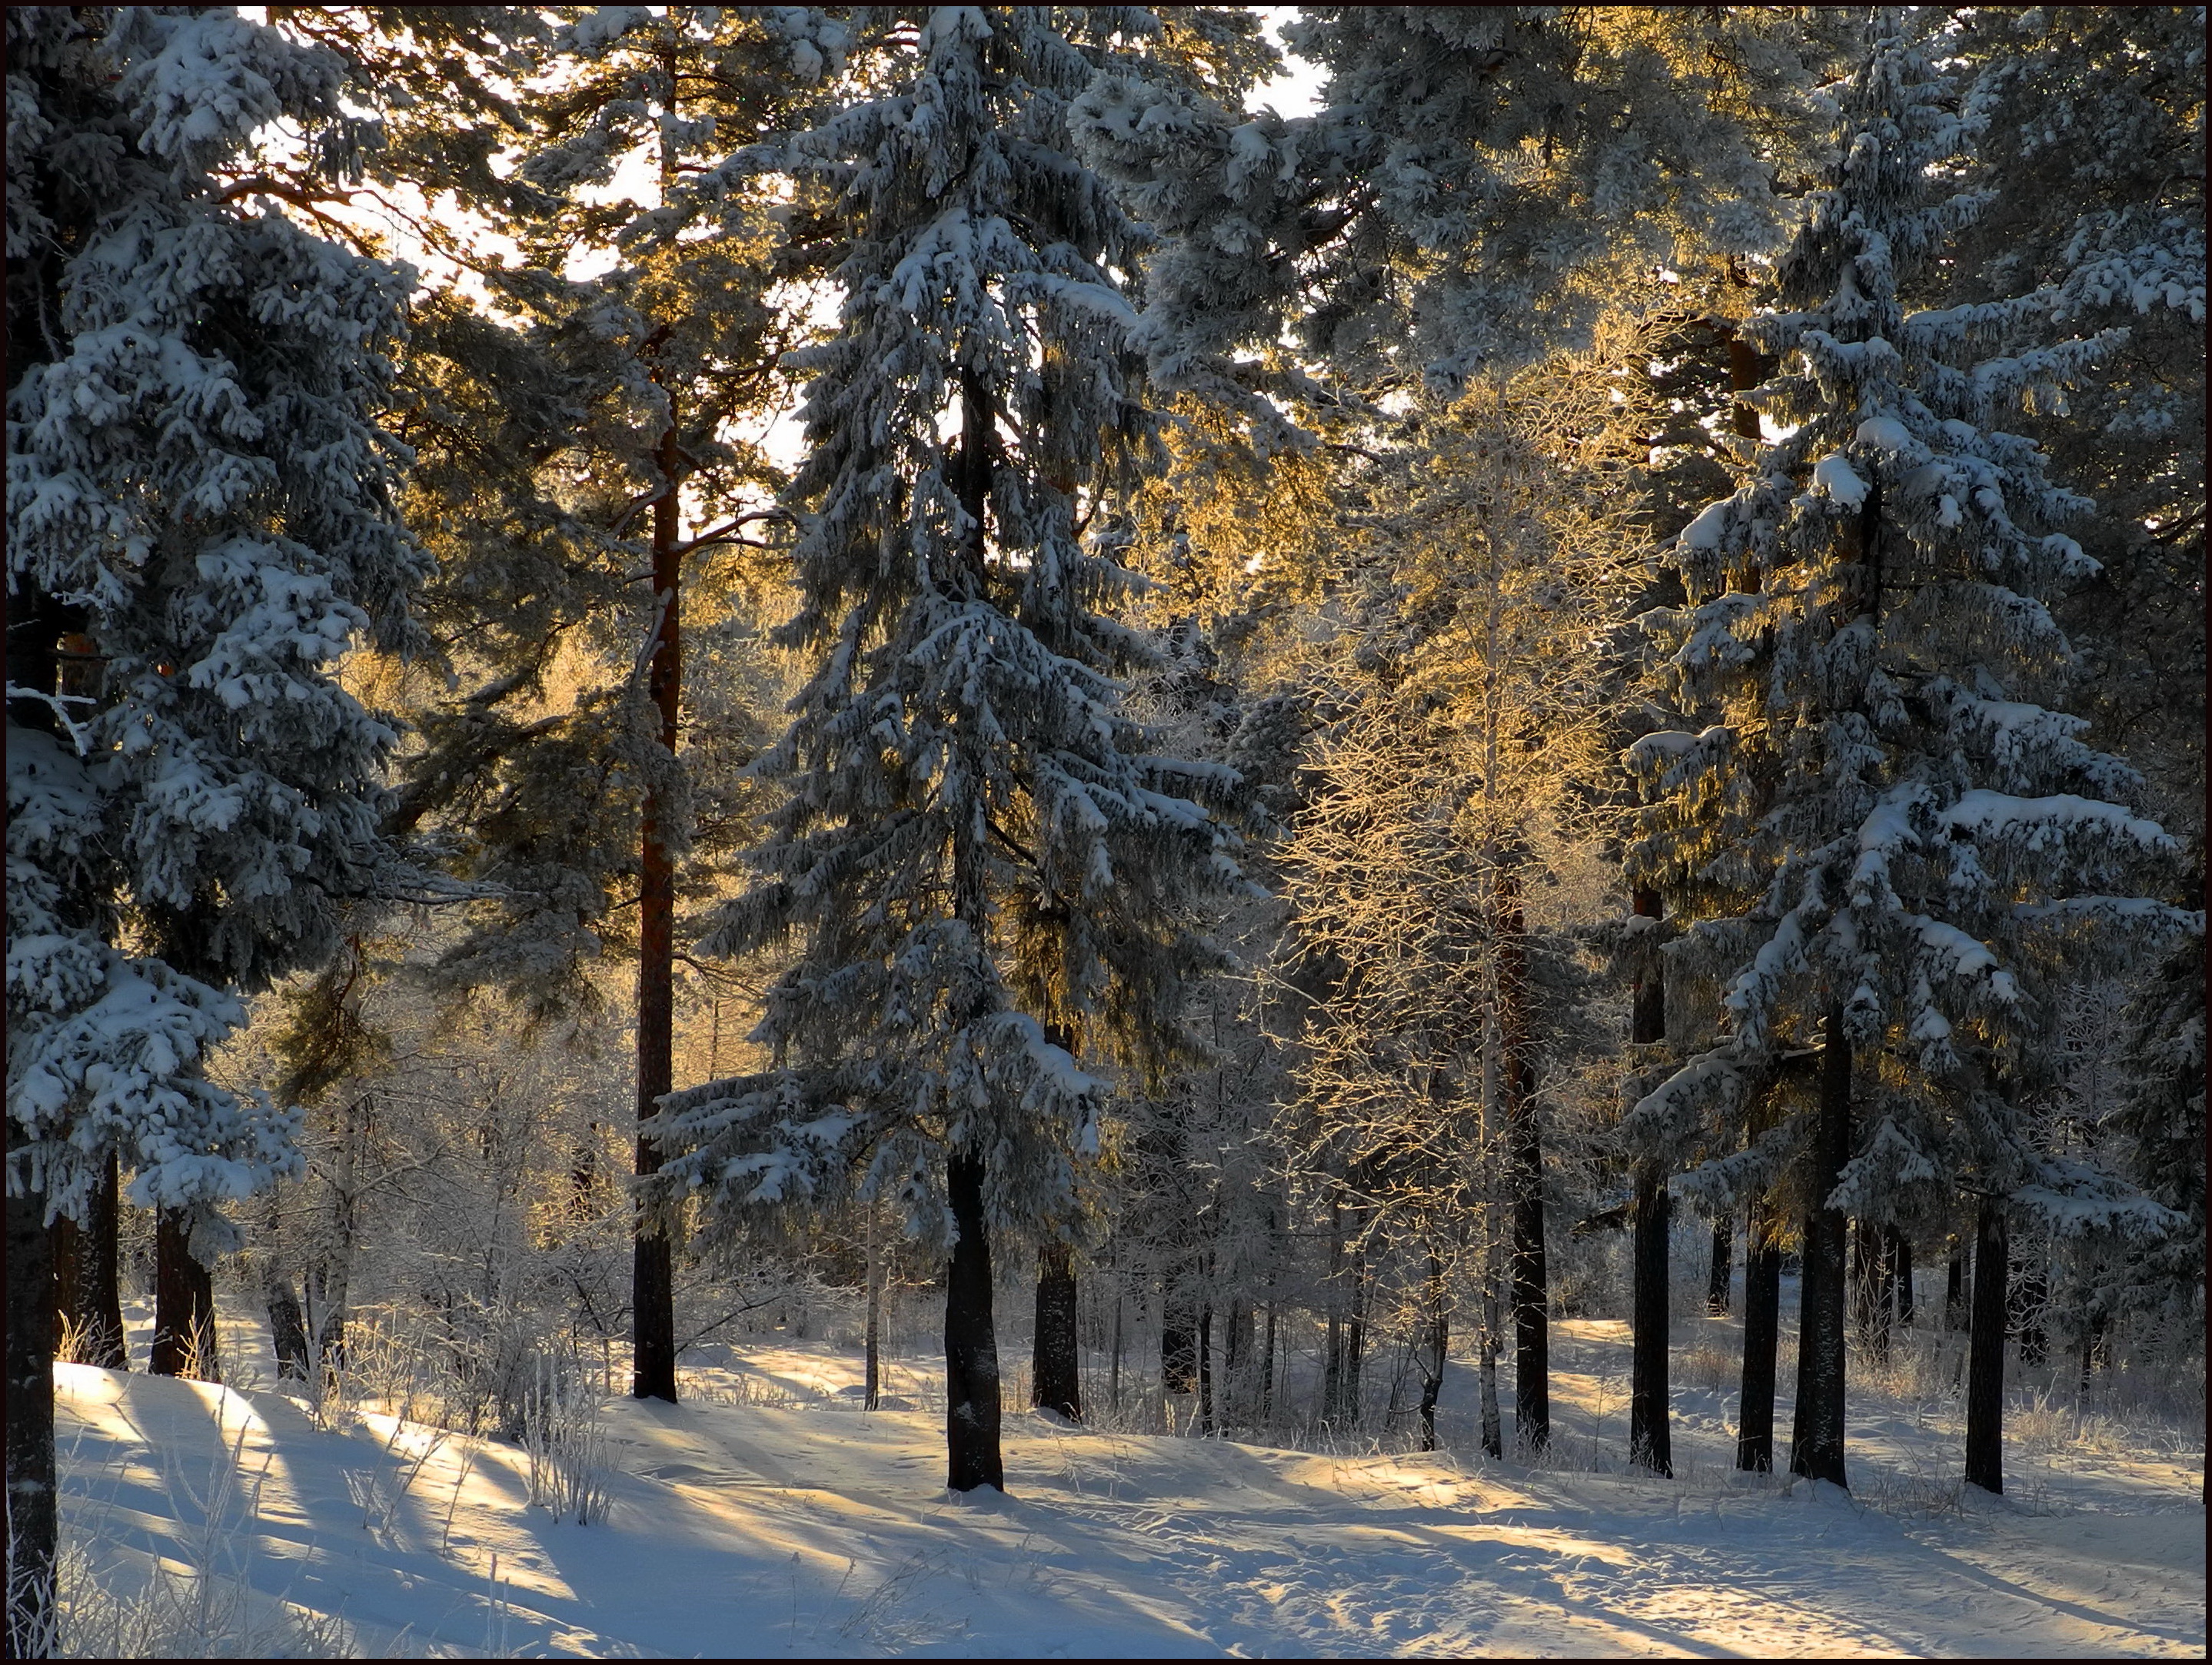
(772, 1516)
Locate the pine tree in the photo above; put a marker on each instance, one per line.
(200, 517)
(978, 847)
(1890, 846)
(586, 474)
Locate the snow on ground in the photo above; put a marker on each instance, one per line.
(772, 1516)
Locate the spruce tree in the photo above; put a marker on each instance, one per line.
(200, 524)
(1891, 843)
(979, 847)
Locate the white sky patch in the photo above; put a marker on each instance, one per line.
(1296, 90)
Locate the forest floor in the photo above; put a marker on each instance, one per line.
(770, 1516)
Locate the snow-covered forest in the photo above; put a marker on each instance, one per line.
(1019, 830)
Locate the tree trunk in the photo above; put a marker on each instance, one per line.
(100, 1273)
(1205, 1367)
(1954, 1288)
(1718, 1269)
(1762, 1334)
(1178, 1337)
(1114, 1372)
(1267, 1369)
(1985, 1364)
(1493, 1422)
(871, 1388)
(1650, 1441)
(1054, 1384)
(1816, 1445)
(184, 1305)
(971, 1345)
(32, 1519)
(1438, 1341)
(1532, 1397)
(653, 1276)
(288, 1324)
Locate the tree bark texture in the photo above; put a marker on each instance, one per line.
(1436, 1348)
(1531, 1394)
(971, 1345)
(184, 1305)
(1985, 1358)
(1816, 1445)
(1649, 1439)
(32, 1518)
(872, 1386)
(99, 1273)
(1762, 1333)
(1055, 1381)
(1651, 1444)
(653, 1279)
(1205, 1368)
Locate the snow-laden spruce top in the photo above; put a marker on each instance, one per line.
(985, 858)
(1889, 825)
(193, 464)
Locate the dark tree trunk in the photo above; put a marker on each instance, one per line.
(1762, 1332)
(184, 1305)
(1238, 1362)
(1437, 1349)
(1205, 1368)
(1900, 1275)
(1355, 1351)
(1267, 1369)
(287, 1329)
(1816, 1445)
(1986, 1362)
(1532, 1393)
(100, 1273)
(1650, 1441)
(1954, 1288)
(1720, 1269)
(32, 1520)
(1053, 1379)
(872, 1386)
(653, 1276)
(971, 1345)
(1178, 1337)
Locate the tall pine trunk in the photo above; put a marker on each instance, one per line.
(1816, 1444)
(1718, 1269)
(100, 1273)
(1650, 1443)
(1986, 1362)
(872, 1386)
(1532, 1392)
(1649, 1439)
(1055, 1384)
(971, 1345)
(653, 1280)
(1437, 1343)
(32, 1520)
(1762, 1334)
(184, 1305)
(1954, 1288)
(1205, 1367)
